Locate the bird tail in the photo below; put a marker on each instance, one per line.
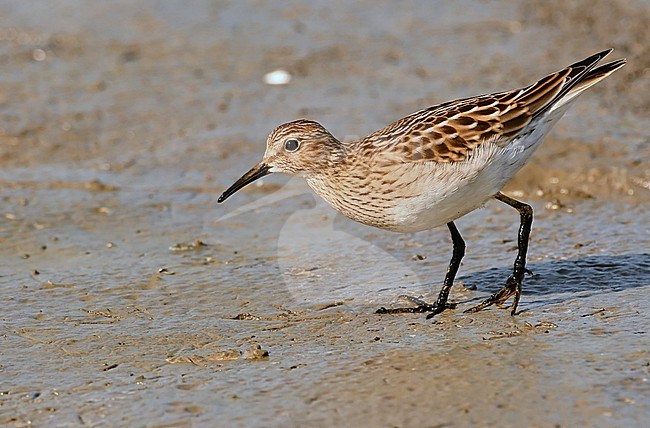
(555, 91)
(594, 76)
(579, 77)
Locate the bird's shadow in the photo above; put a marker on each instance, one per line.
(578, 278)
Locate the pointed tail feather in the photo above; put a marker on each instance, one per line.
(581, 75)
(558, 89)
(590, 79)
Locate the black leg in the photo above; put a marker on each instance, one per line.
(513, 283)
(459, 251)
(441, 303)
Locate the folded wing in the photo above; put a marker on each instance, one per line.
(449, 132)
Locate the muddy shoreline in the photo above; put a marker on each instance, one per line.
(130, 297)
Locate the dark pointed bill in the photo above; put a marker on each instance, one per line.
(258, 171)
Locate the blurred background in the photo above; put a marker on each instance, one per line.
(120, 124)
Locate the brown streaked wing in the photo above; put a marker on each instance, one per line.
(449, 132)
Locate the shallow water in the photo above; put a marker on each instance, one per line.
(114, 147)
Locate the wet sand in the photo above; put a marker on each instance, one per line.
(131, 298)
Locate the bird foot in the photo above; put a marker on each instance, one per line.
(512, 287)
(421, 307)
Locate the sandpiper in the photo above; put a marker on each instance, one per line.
(434, 166)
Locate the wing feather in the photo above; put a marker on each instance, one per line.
(449, 132)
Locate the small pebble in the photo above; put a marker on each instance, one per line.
(277, 77)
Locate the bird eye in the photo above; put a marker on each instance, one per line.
(291, 145)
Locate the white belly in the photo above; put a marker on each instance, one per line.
(449, 191)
